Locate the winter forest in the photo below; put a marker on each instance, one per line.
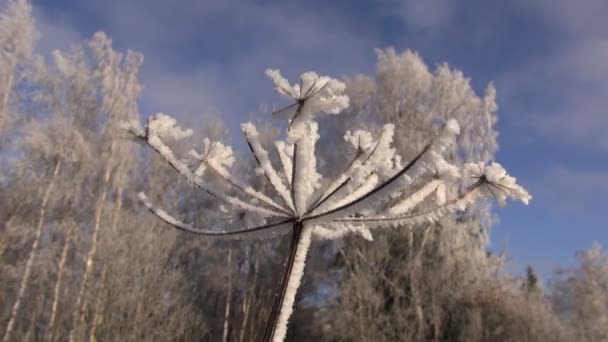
(360, 211)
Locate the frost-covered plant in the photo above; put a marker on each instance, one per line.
(374, 190)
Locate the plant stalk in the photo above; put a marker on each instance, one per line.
(279, 295)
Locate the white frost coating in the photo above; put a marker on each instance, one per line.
(359, 139)
(321, 93)
(414, 199)
(331, 99)
(452, 126)
(155, 142)
(17, 31)
(307, 179)
(165, 127)
(216, 155)
(433, 215)
(293, 283)
(441, 194)
(447, 136)
(337, 232)
(281, 84)
(384, 160)
(135, 127)
(442, 168)
(365, 187)
(252, 135)
(311, 83)
(499, 184)
(262, 197)
(360, 168)
(439, 145)
(217, 165)
(380, 158)
(237, 202)
(285, 155)
(162, 213)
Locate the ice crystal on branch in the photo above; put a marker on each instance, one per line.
(376, 189)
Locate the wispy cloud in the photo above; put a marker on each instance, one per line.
(202, 55)
(56, 33)
(579, 18)
(428, 15)
(573, 191)
(561, 93)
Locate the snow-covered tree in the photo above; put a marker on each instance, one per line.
(374, 190)
(580, 295)
(405, 268)
(17, 35)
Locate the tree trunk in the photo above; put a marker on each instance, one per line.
(30, 261)
(31, 330)
(56, 292)
(96, 317)
(248, 298)
(79, 309)
(4, 101)
(246, 309)
(139, 317)
(228, 299)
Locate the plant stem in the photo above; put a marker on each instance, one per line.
(279, 295)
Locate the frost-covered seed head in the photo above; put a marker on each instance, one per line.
(164, 126)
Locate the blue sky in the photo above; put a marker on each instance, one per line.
(548, 59)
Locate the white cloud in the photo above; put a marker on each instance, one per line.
(581, 17)
(575, 80)
(568, 85)
(208, 55)
(570, 191)
(429, 14)
(55, 33)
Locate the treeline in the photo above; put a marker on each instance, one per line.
(80, 258)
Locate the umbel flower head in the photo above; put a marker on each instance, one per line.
(375, 189)
(314, 94)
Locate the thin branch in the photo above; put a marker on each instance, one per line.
(320, 201)
(331, 188)
(181, 169)
(250, 191)
(363, 188)
(278, 114)
(163, 215)
(453, 204)
(327, 195)
(406, 203)
(261, 157)
(307, 96)
(285, 161)
(292, 191)
(375, 190)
